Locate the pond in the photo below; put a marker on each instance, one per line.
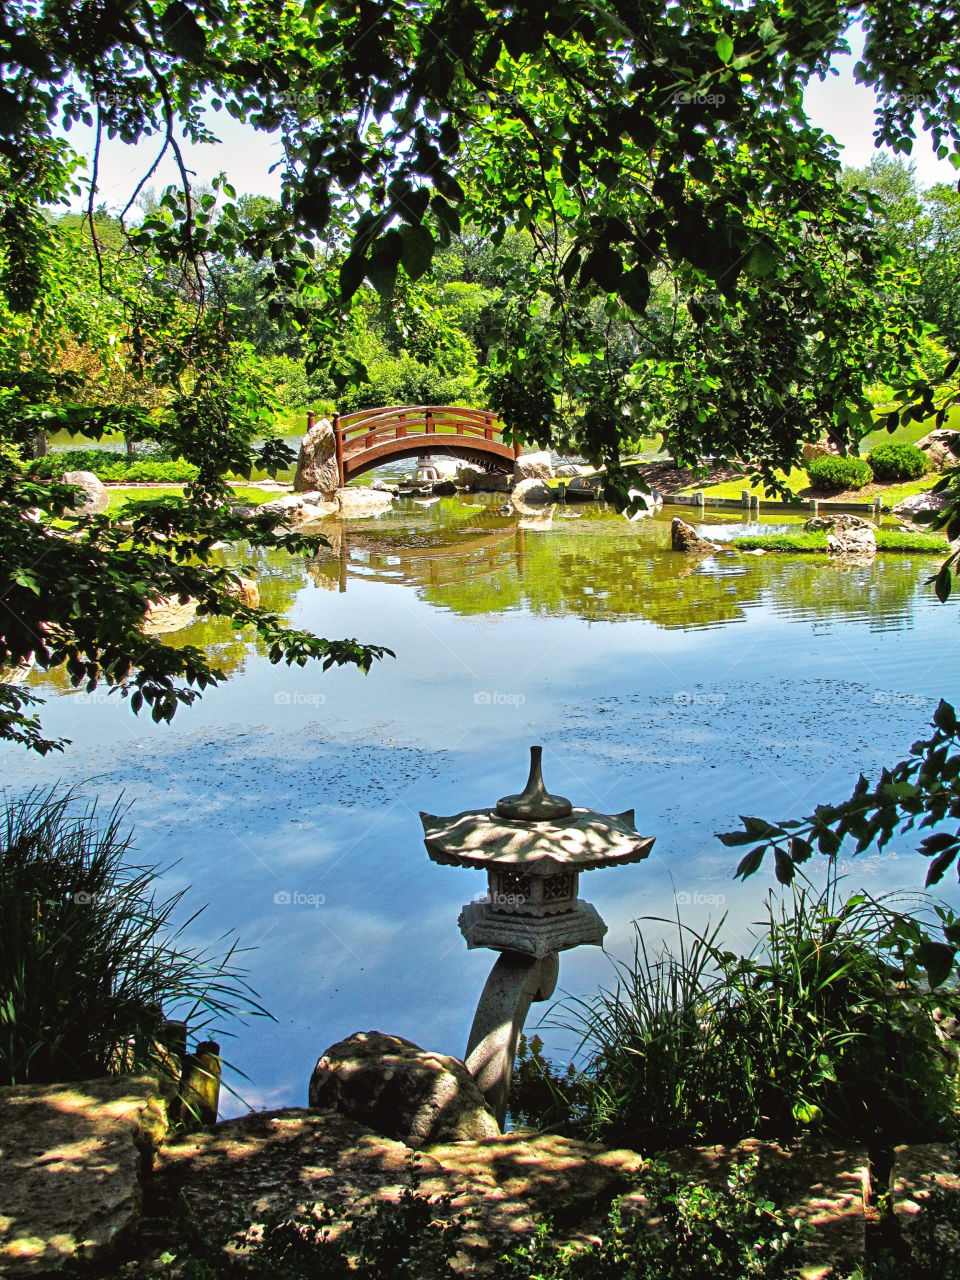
(744, 684)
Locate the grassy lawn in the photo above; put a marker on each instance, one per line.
(129, 499)
(888, 540)
(890, 494)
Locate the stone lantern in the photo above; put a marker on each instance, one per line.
(533, 847)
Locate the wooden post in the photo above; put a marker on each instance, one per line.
(815, 506)
(311, 418)
(700, 499)
(430, 426)
(338, 446)
(200, 1085)
(877, 511)
(745, 498)
(755, 505)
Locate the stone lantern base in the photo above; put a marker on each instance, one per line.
(531, 936)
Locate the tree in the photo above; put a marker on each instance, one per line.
(646, 146)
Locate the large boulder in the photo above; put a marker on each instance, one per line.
(530, 493)
(921, 504)
(317, 463)
(294, 509)
(583, 489)
(71, 1157)
(854, 544)
(480, 481)
(942, 448)
(356, 504)
(400, 1090)
(684, 538)
(835, 524)
(169, 613)
(95, 498)
(245, 590)
(533, 466)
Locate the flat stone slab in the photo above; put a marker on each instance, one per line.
(286, 1162)
(71, 1157)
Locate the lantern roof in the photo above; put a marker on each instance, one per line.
(536, 833)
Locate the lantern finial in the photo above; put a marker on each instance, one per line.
(534, 803)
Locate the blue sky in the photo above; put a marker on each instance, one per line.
(837, 105)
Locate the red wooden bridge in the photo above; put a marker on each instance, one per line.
(370, 437)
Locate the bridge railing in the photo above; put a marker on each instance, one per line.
(367, 427)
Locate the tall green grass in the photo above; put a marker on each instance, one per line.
(824, 1026)
(91, 962)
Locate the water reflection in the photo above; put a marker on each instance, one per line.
(596, 566)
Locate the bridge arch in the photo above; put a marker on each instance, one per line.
(369, 437)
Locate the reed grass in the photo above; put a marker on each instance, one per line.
(91, 961)
(823, 1026)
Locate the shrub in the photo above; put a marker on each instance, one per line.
(735, 1233)
(118, 467)
(834, 474)
(89, 963)
(897, 460)
(706, 1046)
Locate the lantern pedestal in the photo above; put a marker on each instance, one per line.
(515, 982)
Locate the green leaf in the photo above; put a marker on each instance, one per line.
(761, 261)
(313, 208)
(352, 271)
(806, 1112)
(724, 48)
(945, 718)
(938, 960)
(783, 868)
(800, 850)
(383, 263)
(939, 865)
(416, 252)
(182, 34)
(751, 863)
